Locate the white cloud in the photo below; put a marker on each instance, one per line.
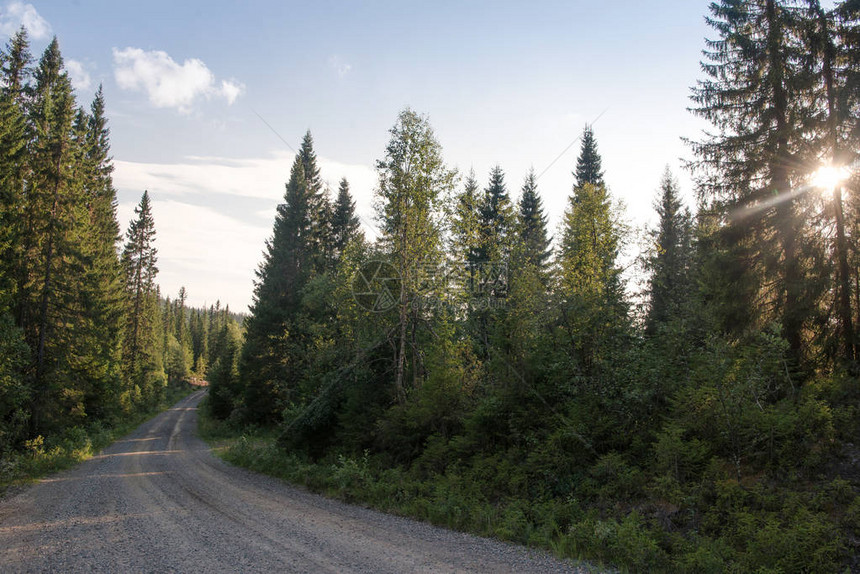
(253, 177)
(167, 83)
(214, 255)
(17, 14)
(261, 178)
(79, 75)
(339, 65)
(231, 90)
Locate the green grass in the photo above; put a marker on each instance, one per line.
(43, 456)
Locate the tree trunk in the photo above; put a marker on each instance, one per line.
(844, 280)
(844, 274)
(403, 317)
(792, 313)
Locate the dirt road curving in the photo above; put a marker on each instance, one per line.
(159, 501)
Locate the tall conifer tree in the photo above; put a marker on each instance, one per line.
(496, 219)
(99, 299)
(593, 306)
(268, 362)
(589, 167)
(670, 285)
(54, 201)
(345, 225)
(139, 259)
(466, 223)
(532, 222)
(13, 164)
(757, 93)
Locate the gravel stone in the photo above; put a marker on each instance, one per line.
(158, 500)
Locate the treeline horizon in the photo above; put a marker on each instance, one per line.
(709, 433)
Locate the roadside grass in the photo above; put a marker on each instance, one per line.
(440, 501)
(42, 456)
(743, 528)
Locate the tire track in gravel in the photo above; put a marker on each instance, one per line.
(159, 500)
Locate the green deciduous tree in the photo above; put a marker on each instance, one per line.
(413, 183)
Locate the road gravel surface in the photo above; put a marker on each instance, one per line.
(159, 501)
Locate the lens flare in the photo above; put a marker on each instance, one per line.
(828, 177)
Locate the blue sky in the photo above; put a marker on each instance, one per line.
(511, 83)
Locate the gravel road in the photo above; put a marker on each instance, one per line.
(159, 501)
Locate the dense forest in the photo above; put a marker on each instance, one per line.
(85, 336)
(473, 367)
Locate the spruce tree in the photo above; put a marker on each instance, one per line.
(465, 223)
(495, 220)
(55, 210)
(99, 299)
(178, 350)
(592, 298)
(13, 164)
(590, 243)
(272, 343)
(200, 341)
(670, 284)
(531, 223)
(319, 207)
(345, 225)
(832, 38)
(588, 164)
(139, 260)
(19, 210)
(223, 377)
(757, 93)
(15, 389)
(15, 67)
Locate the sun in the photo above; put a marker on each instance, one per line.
(828, 177)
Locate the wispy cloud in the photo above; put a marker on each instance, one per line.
(167, 83)
(202, 247)
(261, 178)
(16, 14)
(339, 65)
(79, 75)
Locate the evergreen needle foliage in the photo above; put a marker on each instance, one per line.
(86, 342)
